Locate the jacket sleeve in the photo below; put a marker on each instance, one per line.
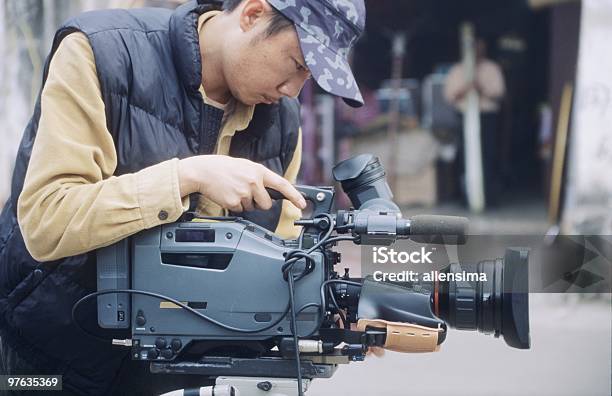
(290, 212)
(71, 203)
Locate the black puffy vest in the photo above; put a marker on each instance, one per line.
(149, 67)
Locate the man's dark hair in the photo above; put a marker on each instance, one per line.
(278, 22)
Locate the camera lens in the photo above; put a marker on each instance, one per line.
(498, 306)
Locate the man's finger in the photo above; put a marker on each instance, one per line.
(247, 204)
(281, 184)
(236, 209)
(261, 197)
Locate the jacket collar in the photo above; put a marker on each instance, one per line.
(185, 42)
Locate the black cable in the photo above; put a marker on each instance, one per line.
(308, 306)
(340, 238)
(331, 294)
(330, 230)
(335, 303)
(291, 258)
(327, 241)
(328, 282)
(345, 227)
(301, 238)
(83, 329)
(172, 300)
(343, 281)
(294, 330)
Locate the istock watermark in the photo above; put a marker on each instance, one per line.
(384, 255)
(565, 264)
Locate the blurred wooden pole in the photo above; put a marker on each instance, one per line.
(558, 164)
(471, 124)
(398, 51)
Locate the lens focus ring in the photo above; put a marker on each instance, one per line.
(463, 303)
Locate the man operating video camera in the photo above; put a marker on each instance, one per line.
(144, 114)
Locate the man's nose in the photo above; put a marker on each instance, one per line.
(293, 86)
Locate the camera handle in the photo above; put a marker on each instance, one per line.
(322, 198)
(245, 386)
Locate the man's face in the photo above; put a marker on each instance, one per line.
(259, 68)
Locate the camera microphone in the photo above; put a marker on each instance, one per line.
(431, 228)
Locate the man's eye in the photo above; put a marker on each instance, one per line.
(302, 68)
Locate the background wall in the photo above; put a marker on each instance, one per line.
(588, 206)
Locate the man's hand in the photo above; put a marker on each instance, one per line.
(465, 89)
(234, 183)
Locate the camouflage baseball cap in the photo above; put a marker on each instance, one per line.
(327, 30)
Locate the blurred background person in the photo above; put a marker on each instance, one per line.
(490, 86)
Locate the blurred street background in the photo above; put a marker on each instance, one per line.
(541, 72)
(569, 355)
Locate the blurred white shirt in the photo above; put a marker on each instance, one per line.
(489, 79)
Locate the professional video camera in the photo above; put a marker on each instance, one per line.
(226, 299)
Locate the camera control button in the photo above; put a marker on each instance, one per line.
(176, 344)
(160, 342)
(152, 353)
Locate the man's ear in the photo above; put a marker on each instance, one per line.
(253, 12)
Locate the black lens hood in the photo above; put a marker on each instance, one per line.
(515, 305)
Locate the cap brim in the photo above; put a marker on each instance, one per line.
(329, 69)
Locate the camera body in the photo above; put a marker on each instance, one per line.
(230, 270)
(226, 297)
